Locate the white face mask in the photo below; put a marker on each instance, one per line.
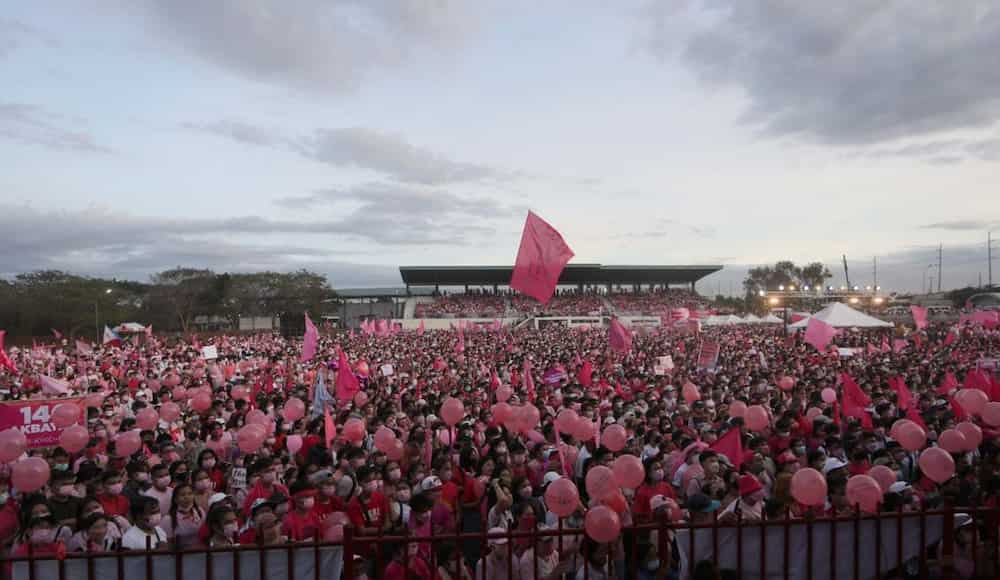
(154, 520)
(231, 529)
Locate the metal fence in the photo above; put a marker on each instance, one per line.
(946, 543)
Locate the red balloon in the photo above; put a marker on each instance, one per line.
(786, 383)
(737, 409)
(503, 393)
(179, 394)
(991, 414)
(809, 487)
(602, 524)
(12, 444)
(614, 437)
(616, 501)
(690, 392)
(952, 441)
(937, 464)
(396, 452)
(884, 476)
(385, 439)
(250, 438)
(864, 491)
(972, 433)
(600, 482)
(528, 418)
(354, 430)
(501, 412)
(127, 443)
(65, 414)
(566, 420)
(170, 412)
(829, 395)
(293, 443)
(172, 380)
(911, 437)
(294, 409)
(562, 497)
(201, 402)
(628, 471)
(147, 418)
(535, 436)
(972, 400)
(256, 417)
(585, 429)
(756, 418)
(30, 474)
(452, 411)
(74, 438)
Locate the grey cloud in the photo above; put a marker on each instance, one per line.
(854, 72)
(238, 131)
(402, 201)
(962, 225)
(33, 125)
(666, 228)
(313, 44)
(12, 32)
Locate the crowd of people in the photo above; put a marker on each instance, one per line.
(195, 480)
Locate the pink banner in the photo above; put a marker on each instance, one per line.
(33, 418)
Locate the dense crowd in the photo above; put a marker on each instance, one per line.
(197, 477)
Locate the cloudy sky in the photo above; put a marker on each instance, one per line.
(353, 136)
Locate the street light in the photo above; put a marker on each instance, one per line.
(97, 316)
(781, 287)
(774, 300)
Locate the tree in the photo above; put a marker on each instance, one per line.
(785, 273)
(814, 274)
(186, 292)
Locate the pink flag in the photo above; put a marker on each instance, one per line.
(952, 337)
(872, 349)
(919, 316)
(819, 334)
(540, 260)
(420, 329)
(898, 345)
(328, 426)
(309, 341)
(51, 386)
(56, 334)
(5, 361)
(460, 342)
(619, 337)
(730, 445)
(529, 381)
(347, 383)
(585, 376)
(885, 344)
(83, 348)
(382, 327)
(903, 395)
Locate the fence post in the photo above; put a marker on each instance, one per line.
(947, 556)
(348, 553)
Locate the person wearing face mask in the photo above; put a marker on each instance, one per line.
(94, 535)
(368, 511)
(161, 490)
(327, 501)
(301, 523)
(146, 531)
(652, 486)
(399, 507)
(63, 500)
(138, 480)
(184, 518)
(110, 494)
(39, 538)
(223, 525)
(494, 566)
(208, 461)
(267, 483)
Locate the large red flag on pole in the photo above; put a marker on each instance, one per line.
(919, 316)
(819, 334)
(540, 259)
(347, 383)
(5, 361)
(730, 445)
(309, 341)
(619, 337)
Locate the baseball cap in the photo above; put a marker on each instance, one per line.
(749, 484)
(216, 498)
(900, 487)
(431, 483)
(261, 503)
(832, 463)
(700, 502)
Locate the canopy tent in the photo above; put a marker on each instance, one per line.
(751, 319)
(839, 315)
(771, 319)
(129, 328)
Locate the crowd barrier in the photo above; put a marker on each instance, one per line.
(945, 543)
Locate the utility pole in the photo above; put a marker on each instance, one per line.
(940, 271)
(875, 273)
(847, 277)
(989, 258)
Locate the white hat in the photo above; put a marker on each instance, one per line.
(216, 498)
(430, 483)
(831, 464)
(900, 487)
(550, 477)
(657, 501)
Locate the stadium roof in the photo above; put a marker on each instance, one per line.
(395, 292)
(573, 274)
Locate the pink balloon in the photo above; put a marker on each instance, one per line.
(179, 394)
(911, 437)
(201, 402)
(896, 426)
(256, 417)
(170, 412)
(65, 414)
(585, 429)
(737, 409)
(74, 438)
(566, 420)
(250, 438)
(562, 498)
(535, 436)
(360, 398)
(690, 392)
(602, 524)
(354, 430)
(786, 383)
(756, 418)
(444, 436)
(385, 439)
(952, 441)
(528, 417)
(503, 393)
(30, 474)
(884, 476)
(452, 411)
(972, 433)
(294, 409)
(829, 395)
(991, 414)
(674, 511)
(972, 400)
(396, 452)
(812, 412)
(600, 482)
(172, 380)
(293, 443)
(937, 464)
(501, 412)
(154, 385)
(628, 471)
(127, 443)
(147, 418)
(809, 487)
(614, 437)
(12, 444)
(864, 491)
(240, 393)
(616, 501)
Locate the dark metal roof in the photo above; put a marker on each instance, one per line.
(573, 274)
(398, 292)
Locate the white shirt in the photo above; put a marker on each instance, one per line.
(135, 539)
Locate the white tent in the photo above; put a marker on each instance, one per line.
(771, 319)
(751, 319)
(733, 319)
(130, 328)
(839, 315)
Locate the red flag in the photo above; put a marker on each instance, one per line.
(855, 401)
(952, 337)
(898, 345)
(913, 415)
(329, 427)
(460, 343)
(56, 334)
(957, 409)
(903, 394)
(947, 384)
(585, 376)
(5, 361)
(540, 260)
(885, 344)
(420, 329)
(977, 379)
(619, 337)
(919, 316)
(309, 341)
(529, 381)
(872, 349)
(819, 334)
(347, 383)
(917, 341)
(730, 445)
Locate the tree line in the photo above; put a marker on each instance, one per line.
(35, 303)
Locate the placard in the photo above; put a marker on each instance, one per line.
(708, 355)
(210, 352)
(387, 370)
(33, 418)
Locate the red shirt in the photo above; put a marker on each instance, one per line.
(300, 527)
(259, 491)
(640, 506)
(368, 514)
(114, 505)
(322, 509)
